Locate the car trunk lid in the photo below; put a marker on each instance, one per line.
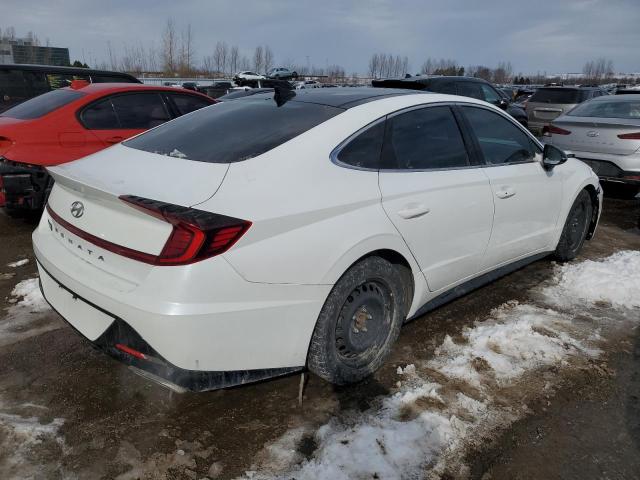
(597, 135)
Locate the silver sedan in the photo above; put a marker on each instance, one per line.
(604, 133)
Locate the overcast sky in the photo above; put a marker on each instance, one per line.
(536, 35)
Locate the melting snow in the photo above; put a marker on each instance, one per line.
(431, 417)
(18, 263)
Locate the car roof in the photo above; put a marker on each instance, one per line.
(346, 97)
(102, 88)
(55, 68)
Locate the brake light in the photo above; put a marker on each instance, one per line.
(131, 351)
(196, 234)
(630, 136)
(557, 130)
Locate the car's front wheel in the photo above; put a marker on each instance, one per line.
(359, 322)
(575, 228)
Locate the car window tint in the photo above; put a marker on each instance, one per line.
(140, 110)
(364, 150)
(470, 89)
(443, 87)
(234, 131)
(111, 79)
(13, 88)
(189, 103)
(42, 105)
(610, 108)
(557, 95)
(423, 139)
(60, 80)
(500, 140)
(100, 116)
(490, 95)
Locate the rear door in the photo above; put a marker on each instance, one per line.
(527, 197)
(438, 198)
(120, 116)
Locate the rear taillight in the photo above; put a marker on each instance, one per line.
(196, 234)
(555, 130)
(630, 136)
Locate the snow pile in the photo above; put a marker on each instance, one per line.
(614, 280)
(19, 437)
(26, 317)
(18, 263)
(514, 340)
(445, 403)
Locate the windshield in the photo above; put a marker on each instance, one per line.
(610, 108)
(39, 106)
(558, 95)
(233, 131)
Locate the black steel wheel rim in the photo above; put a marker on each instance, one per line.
(364, 323)
(577, 225)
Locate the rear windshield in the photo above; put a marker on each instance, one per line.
(233, 131)
(558, 95)
(43, 104)
(626, 109)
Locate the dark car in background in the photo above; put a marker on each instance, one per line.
(22, 82)
(464, 86)
(548, 103)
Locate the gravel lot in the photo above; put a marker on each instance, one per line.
(566, 404)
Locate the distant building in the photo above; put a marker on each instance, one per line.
(23, 50)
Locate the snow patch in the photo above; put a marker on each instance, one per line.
(28, 291)
(18, 263)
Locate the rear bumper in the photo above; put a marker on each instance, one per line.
(208, 326)
(611, 172)
(23, 187)
(153, 365)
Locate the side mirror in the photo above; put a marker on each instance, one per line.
(552, 156)
(502, 103)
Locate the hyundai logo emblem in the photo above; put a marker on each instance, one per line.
(77, 209)
(592, 133)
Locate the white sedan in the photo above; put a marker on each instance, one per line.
(262, 236)
(247, 75)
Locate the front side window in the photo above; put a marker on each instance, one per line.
(501, 142)
(40, 106)
(470, 89)
(234, 131)
(140, 111)
(363, 151)
(490, 95)
(426, 138)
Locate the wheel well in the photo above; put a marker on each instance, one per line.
(591, 190)
(398, 260)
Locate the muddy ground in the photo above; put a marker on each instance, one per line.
(99, 420)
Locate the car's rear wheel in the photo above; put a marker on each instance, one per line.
(575, 228)
(358, 323)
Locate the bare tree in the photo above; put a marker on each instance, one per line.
(169, 47)
(268, 58)
(113, 57)
(185, 62)
(258, 59)
(234, 57)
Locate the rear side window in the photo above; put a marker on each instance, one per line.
(111, 79)
(61, 80)
(188, 103)
(557, 95)
(100, 116)
(13, 88)
(140, 111)
(233, 131)
(364, 150)
(43, 104)
(427, 138)
(610, 108)
(500, 140)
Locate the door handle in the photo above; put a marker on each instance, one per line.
(413, 211)
(506, 192)
(114, 139)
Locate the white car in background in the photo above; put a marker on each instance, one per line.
(248, 75)
(605, 134)
(259, 237)
(308, 84)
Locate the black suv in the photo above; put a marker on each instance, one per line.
(22, 82)
(464, 86)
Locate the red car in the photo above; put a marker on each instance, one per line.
(67, 124)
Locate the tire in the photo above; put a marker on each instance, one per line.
(575, 228)
(359, 322)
